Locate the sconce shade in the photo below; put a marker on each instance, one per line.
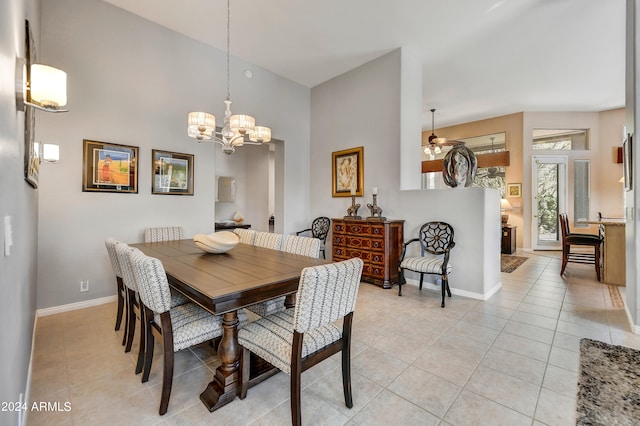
(48, 86)
(201, 125)
(260, 134)
(50, 153)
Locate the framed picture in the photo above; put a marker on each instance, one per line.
(627, 153)
(31, 154)
(109, 167)
(347, 172)
(514, 190)
(172, 173)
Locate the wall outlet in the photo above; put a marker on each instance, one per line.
(84, 285)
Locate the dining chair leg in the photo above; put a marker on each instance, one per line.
(126, 317)
(296, 378)
(245, 367)
(131, 322)
(149, 344)
(400, 281)
(444, 290)
(597, 260)
(565, 258)
(421, 279)
(142, 344)
(167, 372)
(120, 303)
(446, 281)
(346, 360)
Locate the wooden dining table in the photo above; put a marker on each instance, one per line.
(224, 283)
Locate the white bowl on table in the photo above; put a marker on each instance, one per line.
(218, 242)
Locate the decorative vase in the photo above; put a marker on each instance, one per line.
(459, 167)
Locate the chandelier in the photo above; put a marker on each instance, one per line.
(433, 148)
(239, 129)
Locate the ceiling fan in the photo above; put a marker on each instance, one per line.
(435, 143)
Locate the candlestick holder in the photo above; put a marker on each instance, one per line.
(352, 212)
(376, 212)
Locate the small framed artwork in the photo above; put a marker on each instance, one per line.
(627, 153)
(109, 167)
(172, 173)
(347, 172)
(514, 190)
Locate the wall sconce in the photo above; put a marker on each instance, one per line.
(41, 87)
(47, 152)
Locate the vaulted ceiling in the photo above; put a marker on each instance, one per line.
(481, 58)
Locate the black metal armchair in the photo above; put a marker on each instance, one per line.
(436, 241)
(319, 229)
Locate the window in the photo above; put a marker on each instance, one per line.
(581, 193)
(560, 139)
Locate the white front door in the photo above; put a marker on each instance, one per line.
(548, 199)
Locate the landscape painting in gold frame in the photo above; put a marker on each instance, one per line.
(109, 167)
(347, 172)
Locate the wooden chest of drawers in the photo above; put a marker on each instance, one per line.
(378, 243)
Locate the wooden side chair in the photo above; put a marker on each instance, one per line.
(247, 236)
(304, 246)
(570, 239)
(163, 233)
(436, 242)
(268, 240)
(110, 244)
(298, 338)
(180, 326)
(319, 229)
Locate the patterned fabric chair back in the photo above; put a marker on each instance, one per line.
(110, 243)
(129, 280)
(304, 246)
(153, 286)
(164, 233)
(268, 240)
(326, 293)
(436, 237)
(247, 236)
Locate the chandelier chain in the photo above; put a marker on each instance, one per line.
(228, 44)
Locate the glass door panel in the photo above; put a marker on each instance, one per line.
(549, 197)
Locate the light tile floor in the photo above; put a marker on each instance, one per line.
(510, 360)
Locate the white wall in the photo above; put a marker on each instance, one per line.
(361, 108)
(18, 201)
(133, 82)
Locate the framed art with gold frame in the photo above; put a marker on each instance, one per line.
(347, 172)
(109, 167)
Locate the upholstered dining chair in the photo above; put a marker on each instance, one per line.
(298, 338)
(180, 326)
(319, 229)
(247, 236)
(268, 240)
(132, 303)
(304, 246)
(436, 242)
(110, 244)
(163, 233)
(570, 240)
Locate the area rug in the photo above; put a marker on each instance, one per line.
(608, 384)
(511, 263)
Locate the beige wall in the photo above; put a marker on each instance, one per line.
(606, 136)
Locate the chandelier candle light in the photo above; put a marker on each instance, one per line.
(239, 129)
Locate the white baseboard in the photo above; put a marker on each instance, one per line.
(74, 306)
(456, 291)
(635, 329)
